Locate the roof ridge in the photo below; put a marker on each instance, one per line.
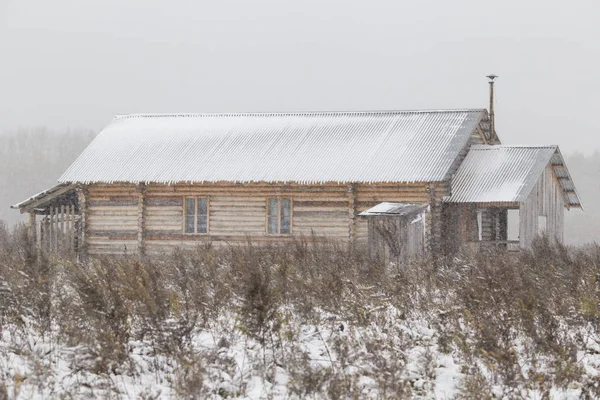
(295, 113)
(513, 146)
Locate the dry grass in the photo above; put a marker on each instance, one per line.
(480, 308)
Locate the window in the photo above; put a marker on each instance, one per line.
(279, 215)
(196, 215)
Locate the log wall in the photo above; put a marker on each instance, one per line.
(111, 219)
(150, 219)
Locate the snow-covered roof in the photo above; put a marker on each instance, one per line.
(394, 209)
(312, 147)
(39, 200)
(508, 174)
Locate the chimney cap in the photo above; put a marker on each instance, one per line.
(491, 77)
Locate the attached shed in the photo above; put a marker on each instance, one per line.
(396, 231)
(504, 196)
(54, 218)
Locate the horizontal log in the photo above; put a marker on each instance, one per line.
(164, 209)
(116, 227)
(112, 189)
(342, 207)
(100, 209)
(112, 235)
(111, 203)
(166, 215)
(112, 198)
(163, 228)
(238, 219)
(168, 220)
(116, 218)
(94, 213)
(321, 214)
(130, 244)
(256, 227)
(164, 202)
(342, 202)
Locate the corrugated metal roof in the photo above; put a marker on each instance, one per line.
(316, 147)
(46, 194)
(394, 209)
(507, 174)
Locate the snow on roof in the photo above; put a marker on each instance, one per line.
(312, 147)
(47, 194)
(394, 209)
(508, 174)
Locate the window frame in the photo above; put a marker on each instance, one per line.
(185, 215)
(279, 198)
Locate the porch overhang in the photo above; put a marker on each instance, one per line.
(493, 175)
(40, 203)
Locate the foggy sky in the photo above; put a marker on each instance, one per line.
(77, 63)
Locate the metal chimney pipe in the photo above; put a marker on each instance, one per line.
(492, 117)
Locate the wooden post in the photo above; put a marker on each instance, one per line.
(56, 228)
(31, 228)
(81, 243)
(67, 239)
(141, 189)
(44, 227)
(51, 229)
(62, 227)
(38, 236)
(72, 232)
(352, 213)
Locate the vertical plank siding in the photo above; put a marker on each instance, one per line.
(547, 200)
(397, 239)
(368, 196)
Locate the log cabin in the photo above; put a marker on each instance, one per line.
(402, 182)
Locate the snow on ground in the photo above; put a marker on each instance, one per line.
(233, 364)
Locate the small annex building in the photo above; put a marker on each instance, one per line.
(402, 182)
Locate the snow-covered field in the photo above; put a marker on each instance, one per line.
(296, 323)
(389, 358)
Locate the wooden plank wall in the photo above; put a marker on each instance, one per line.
(546, 199)
(237, 213)
(397, 239)
(368, 196)
(111, 219)
(124, 217)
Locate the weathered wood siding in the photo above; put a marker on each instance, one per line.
(126, 218)
(238, 213)
(459, 226)
(397, 239)
(368, 196)
(547, 200)
(111, 219)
